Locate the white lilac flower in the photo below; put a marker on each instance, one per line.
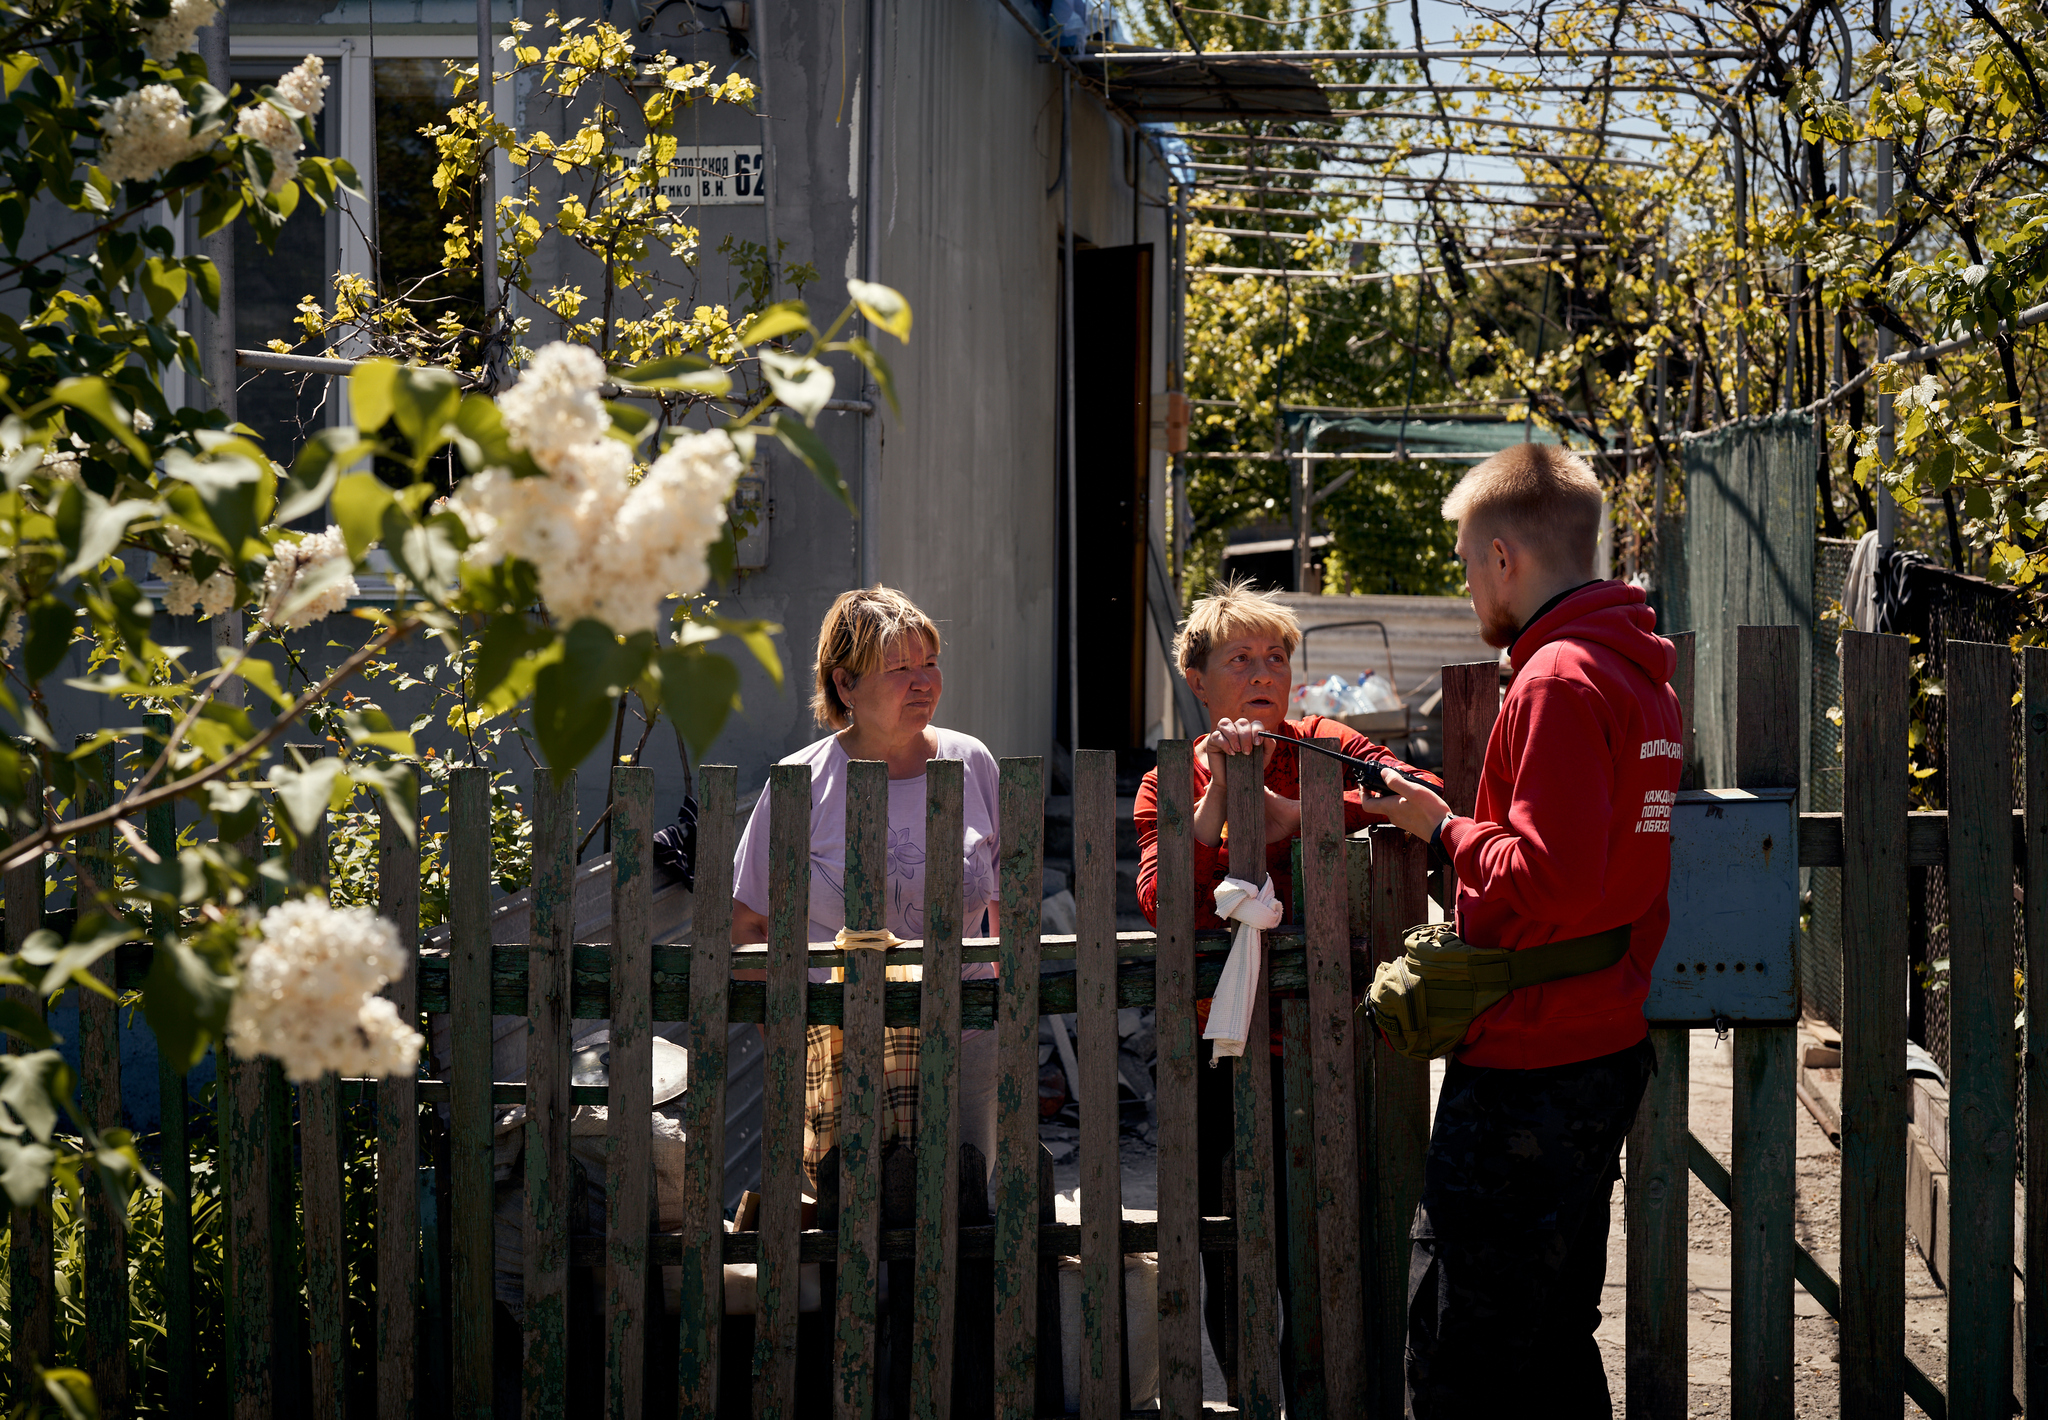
(267, 124)
(183, 594)
(603, 548)
(145, 132)
(308, 995)
(555, 405)
(304, 86)
(291, 562)
(164, 40)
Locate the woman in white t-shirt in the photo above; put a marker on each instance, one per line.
(878, 685)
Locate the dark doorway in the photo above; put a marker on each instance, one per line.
(1112, 418)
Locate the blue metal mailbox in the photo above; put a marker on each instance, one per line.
(1734, 911)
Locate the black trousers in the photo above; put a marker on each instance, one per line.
(1509, 1246)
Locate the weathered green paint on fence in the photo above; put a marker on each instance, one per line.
(702, 1291)
(320, 1154)
(398, 1132)
(1656, 1200)
(861, 1099)
(160, 832)
(1102, 1262)
(1331, 1043)
(1258, 1192)
(1874, 981)
(629, 1173)
(1399, 1103)
(1306, 1284)
(2035, 841)
(1180, 1277)
(105, 1269)
(548, 1183)
(1981, 1081)
(938, 1097)
(782, 1125)
(466, 997)
(1021, 805)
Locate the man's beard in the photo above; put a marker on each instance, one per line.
(1497, 629)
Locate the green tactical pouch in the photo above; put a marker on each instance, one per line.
(1425, 1000)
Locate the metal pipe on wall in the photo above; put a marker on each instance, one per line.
(867, 545)
(217, 350)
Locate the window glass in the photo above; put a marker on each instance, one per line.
(413, 94)
(283, 408)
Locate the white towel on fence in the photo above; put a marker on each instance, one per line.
(1256, 912)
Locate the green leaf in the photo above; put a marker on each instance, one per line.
(309, 587)
(236, 809)
(237, 487)
(259, 673)
(360, 500)
(783, 318)
(572, 696)
(186, 1002)
(15, 68)
(163, 284)
(802, 383)
(31, 1086)
(93, 937)
(1977, 501)
(316, 470)
(371, 726)
(883, 306)
(399, 787)
(480, 433)
(304, 794)
(102, 529)
(808, 447)
(24, 1176)
(23, 1023)
(369, 393)
(1942, 467)
(50, 623)
(698, 690)
(92, 396)
(508, 639)
(756, 636)
(424, 401)
(69, 1388)
(662, 368)
(879, 369)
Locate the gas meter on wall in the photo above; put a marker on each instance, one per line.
(750, 505)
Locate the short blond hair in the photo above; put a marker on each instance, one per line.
(1231, 610)
(1543, 494)
(855, 636)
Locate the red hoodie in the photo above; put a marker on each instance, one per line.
(1571, 833)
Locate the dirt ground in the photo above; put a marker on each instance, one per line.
(1817, 1224)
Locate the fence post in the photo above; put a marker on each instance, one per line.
(1102, 1262)
(1400, 1123)
(468, 1231)
(629, 1176)
(548, 974)
(1332, 1044)
(1981, 1156)
(1180, 1258)
(99, 1048)
(938, 1097)
(31, 1268)
(1021, 794)
(1766, 756)
(1656, 1188)
(1875, 686)
(782, 1109)
(1258, 1325)
(862, 1100)
(2036, 769)
(320, 1151)
(398, 1124)
(703, 1269)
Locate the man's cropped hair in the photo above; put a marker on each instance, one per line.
(1542, 495)
(1232, 610)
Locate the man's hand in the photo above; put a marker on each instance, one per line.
(1417, 808)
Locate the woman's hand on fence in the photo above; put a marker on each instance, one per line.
(1414, 807)
(1229, 737)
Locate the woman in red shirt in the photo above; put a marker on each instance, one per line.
(1237, 652)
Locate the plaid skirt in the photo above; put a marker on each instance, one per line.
(823, 1051)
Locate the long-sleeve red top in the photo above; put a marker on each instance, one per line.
(1283, 777)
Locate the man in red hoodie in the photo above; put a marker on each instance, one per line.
(1570, 838)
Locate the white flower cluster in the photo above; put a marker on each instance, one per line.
(604, 548)
(145, 132)
(164, 40)
(184, 595)
(304, 87)
(308, 996)
(290, 562)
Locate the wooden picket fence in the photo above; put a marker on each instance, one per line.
(1355, 1115)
